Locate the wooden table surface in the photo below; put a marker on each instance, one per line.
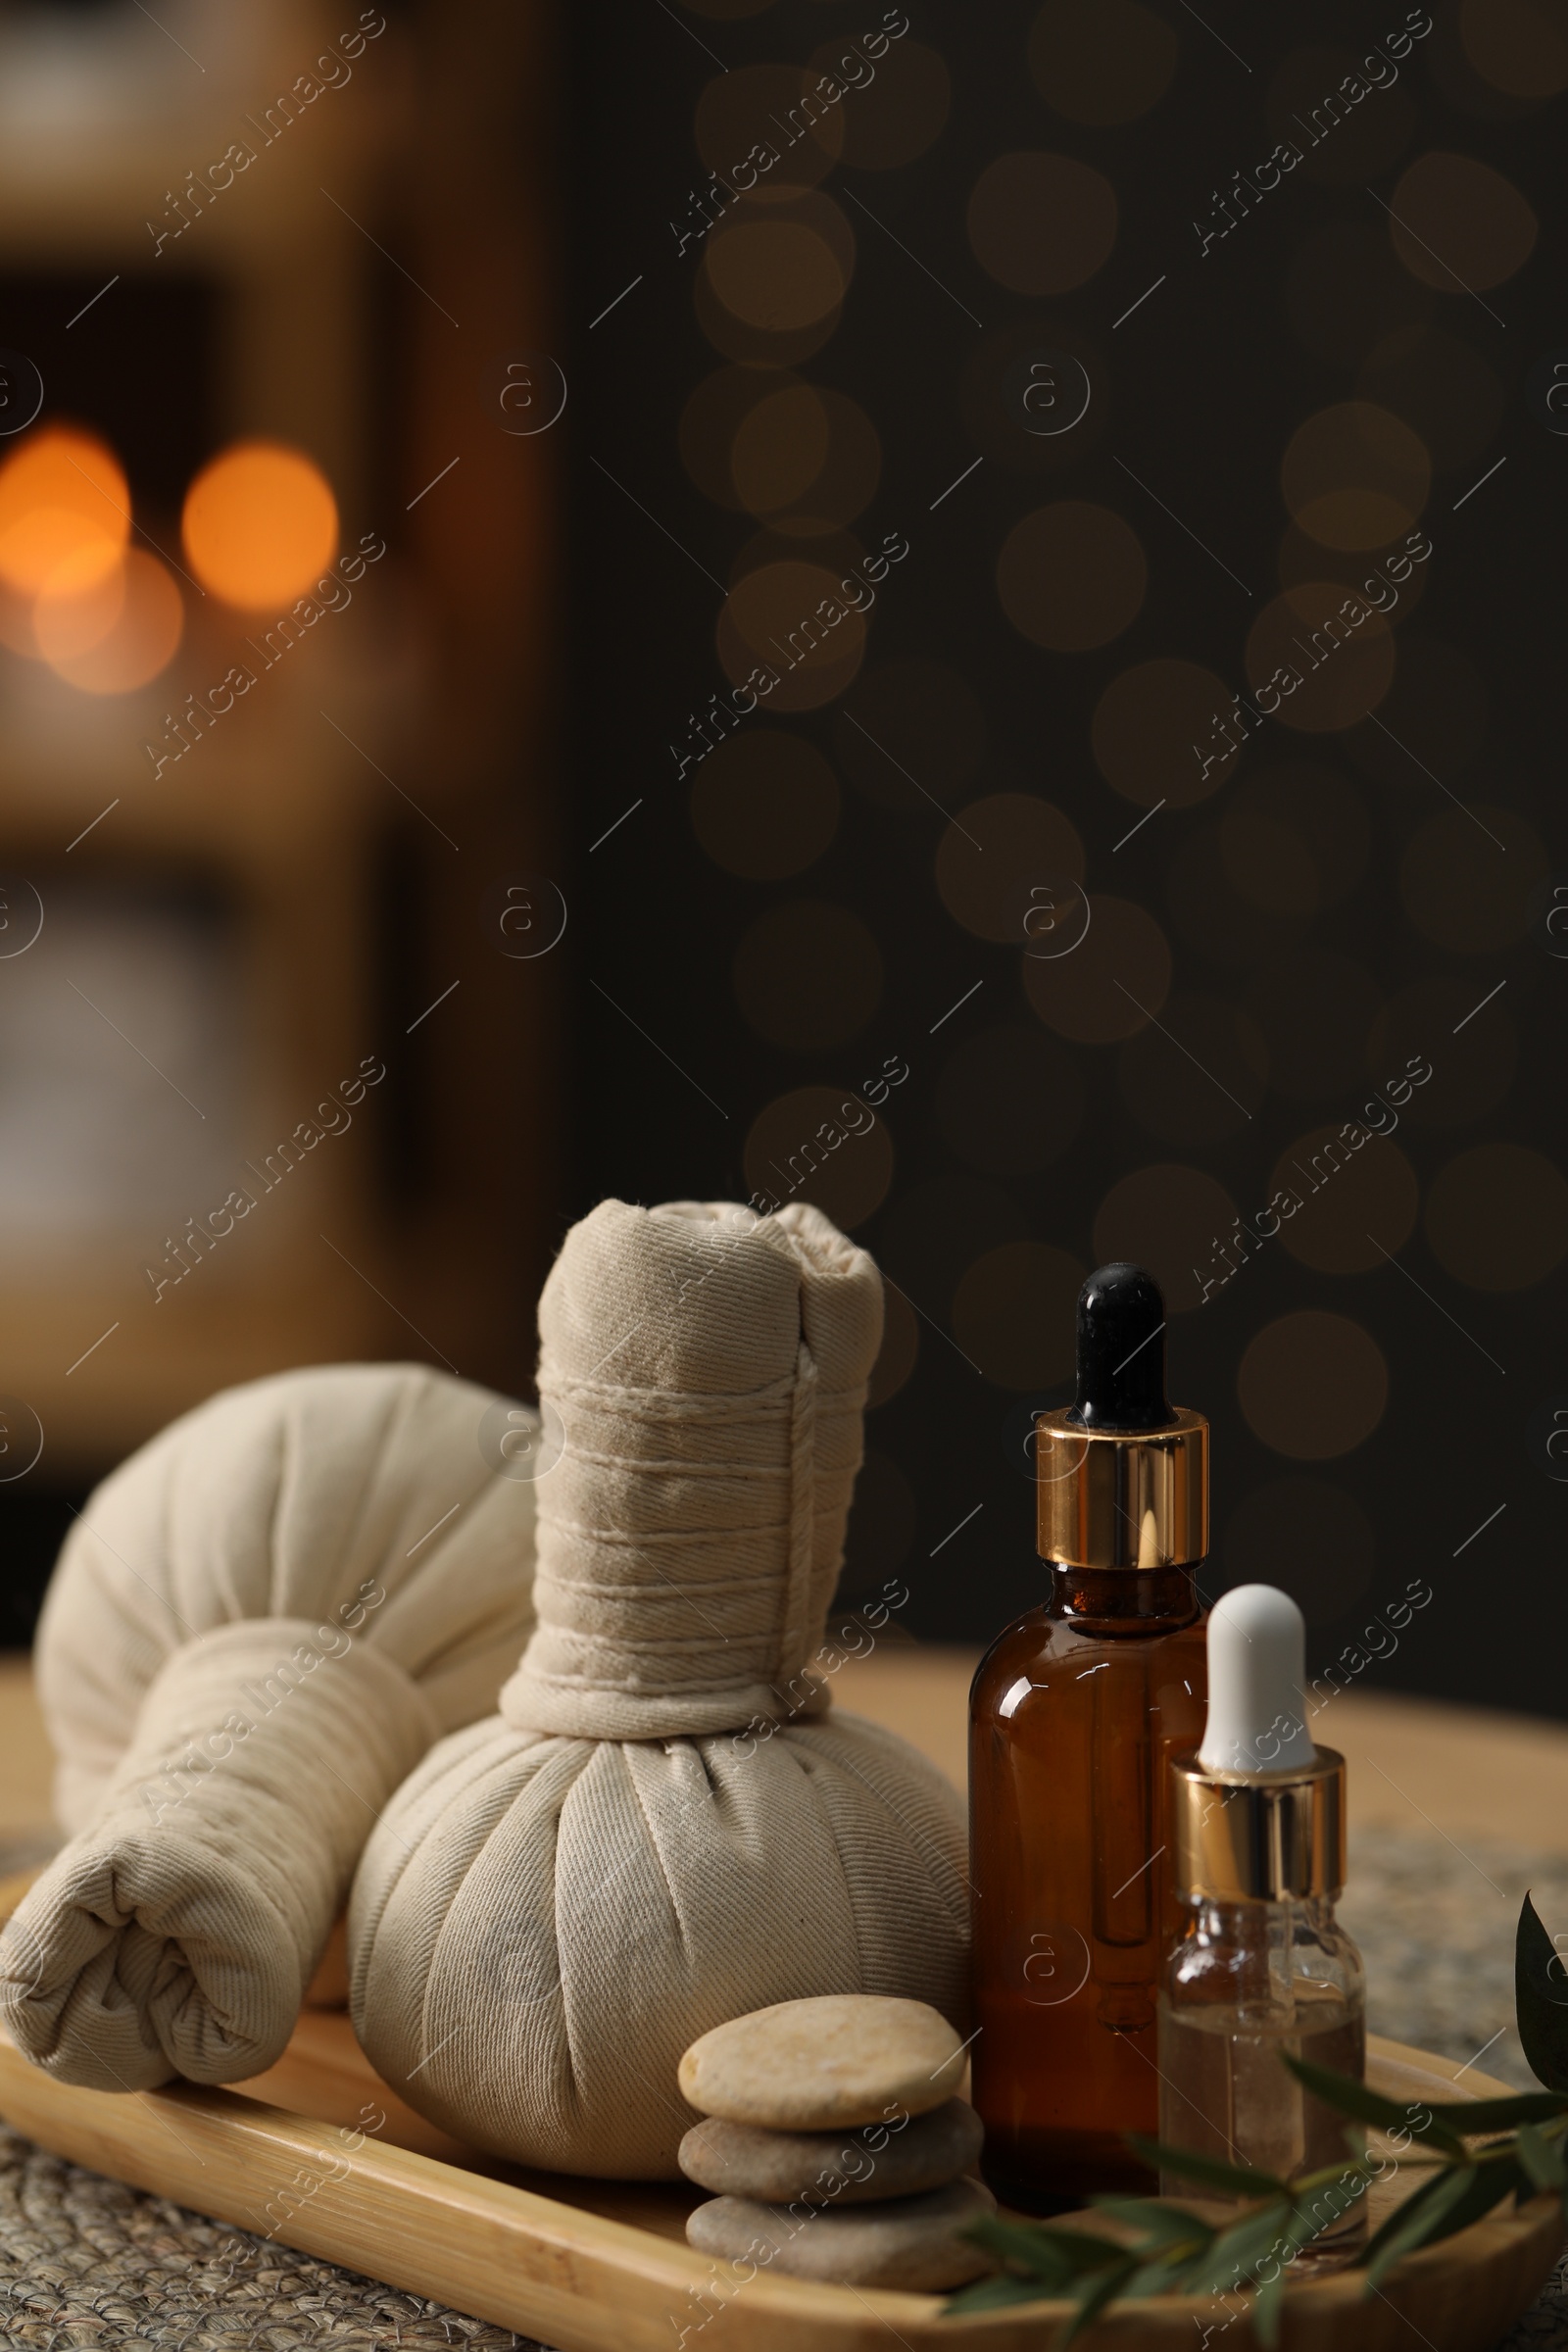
(1466, 1772)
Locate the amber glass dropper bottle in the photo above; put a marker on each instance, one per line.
(1075, 1714)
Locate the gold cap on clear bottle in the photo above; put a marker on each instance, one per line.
(1246, 1837)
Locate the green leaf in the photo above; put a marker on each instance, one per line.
(1094, 2297)
(1421, 2216)
(1449, 2202)
(990, 2294)
(1162, 2276)
(1268, 2309)
(1541, 2000)
(1236, 2252)
(1233, 2179)
(1542, 2158)
(1502, 2115)
(1160, 2225)
(1349, 2097)
(1056, 2256)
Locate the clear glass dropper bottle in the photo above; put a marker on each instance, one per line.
(1262, 1966)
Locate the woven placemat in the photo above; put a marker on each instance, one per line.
(87, 2262)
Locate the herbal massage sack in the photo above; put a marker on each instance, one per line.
(663, 1828)
(259, 1624)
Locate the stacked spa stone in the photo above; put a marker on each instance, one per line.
(839, 2151)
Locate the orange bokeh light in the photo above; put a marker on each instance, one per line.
(139, 640)
(260, 524)
(62, 501)
(77, 606)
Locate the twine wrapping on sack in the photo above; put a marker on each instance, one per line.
(663, 1828)
(259, 1624)
(692, 1531)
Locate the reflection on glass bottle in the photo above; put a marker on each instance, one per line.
(1075, 1715)
(1262, 1969)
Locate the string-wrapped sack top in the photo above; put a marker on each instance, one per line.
(259, 1623)
(705, 1372)
(663, 1828)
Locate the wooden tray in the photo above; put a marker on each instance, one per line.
(593, 2266)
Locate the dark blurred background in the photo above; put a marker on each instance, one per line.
(1004, 393)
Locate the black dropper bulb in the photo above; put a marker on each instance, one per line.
(1121, 1352)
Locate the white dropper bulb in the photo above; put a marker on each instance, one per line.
(1256, 1685)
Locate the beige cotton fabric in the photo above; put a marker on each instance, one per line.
(258, 1628)
(662, 1829)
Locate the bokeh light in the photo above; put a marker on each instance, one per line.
(1042, 223)
(1349, 1201)
(1385, 576)
(1009, 1100)
(781, 264)
(779, 448)
(993, 853)
(1013, 1313)
(78, 605)
(1145, 729)
(1519, 46)
(1498, 1217)
(1101, 62)
(260, 525)
(808, 974)
(1071, 577)
(765, 805)
(1458, 225)
(754, 106)
(711, 418)
(890, 121)
(806, 460)
(1313, 1386)
(1117, 978)
(1198, 1075)
(791, 1153)
(140, 641)
(1318, 659)
(63, 500)
(781, 616)
(1467, 877)
(1166, 1217)
(1355, 476)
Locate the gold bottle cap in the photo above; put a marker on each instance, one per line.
(1255, 1838)
(1122, 1475)
(1119, 1498)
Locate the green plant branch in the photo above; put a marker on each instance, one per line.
(1152, 2246)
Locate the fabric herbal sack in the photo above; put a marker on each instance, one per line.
(663, 1828)
(259, 1624)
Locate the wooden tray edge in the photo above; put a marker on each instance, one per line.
(588, 2283)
